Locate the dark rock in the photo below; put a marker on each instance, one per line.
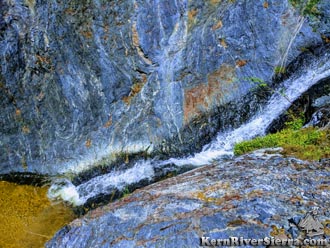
(321, 118)
(254, 196)
(83, 82)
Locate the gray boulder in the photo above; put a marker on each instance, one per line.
(258, 195)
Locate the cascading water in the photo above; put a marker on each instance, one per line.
(223, 145)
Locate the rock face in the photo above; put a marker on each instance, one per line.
(252, 196)
(84, 81)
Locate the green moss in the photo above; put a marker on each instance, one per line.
(306, 7)
(306, 143)
(279, 70)
(126, 191)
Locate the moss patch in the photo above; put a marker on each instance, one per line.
(28, 219)
(306, 143)
(306, 7)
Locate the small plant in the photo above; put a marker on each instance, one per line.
(126, 191)
(294, 122)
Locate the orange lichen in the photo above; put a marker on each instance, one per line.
(217, 25)
(324, 187)
(192, 14)
(215, 2)
(200, 98)
(136, 44)
(241, 62)
(87, 34)
(135, 36)
(18, 112)
(237, 222)
(26, 130)
(108, 123)
(135, 89)
(88, 143)
(42, 59)
(265, 5)
(28, 218)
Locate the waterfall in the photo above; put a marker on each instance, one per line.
(222, 145)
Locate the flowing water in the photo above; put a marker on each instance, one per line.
(221, 146)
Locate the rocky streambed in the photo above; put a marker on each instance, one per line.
(253, 196)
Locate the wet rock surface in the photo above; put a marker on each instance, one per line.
(83, 81)
(253, 196)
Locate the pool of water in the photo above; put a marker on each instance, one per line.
(27, 217)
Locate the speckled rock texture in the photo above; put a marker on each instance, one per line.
(252, 196)
(84, 81)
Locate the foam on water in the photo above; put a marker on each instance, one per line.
(223, 145)
(117, 179)
(104, 184)
(63, 189)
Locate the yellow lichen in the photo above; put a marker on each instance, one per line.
(222, 188)
(28, 218)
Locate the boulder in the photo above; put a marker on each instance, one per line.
(257, 195)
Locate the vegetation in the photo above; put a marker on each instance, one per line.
(126, 191)
(279, 70)
(306, 143)
(306, 7)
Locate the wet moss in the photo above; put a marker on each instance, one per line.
(28, 218)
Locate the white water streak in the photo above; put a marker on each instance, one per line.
(279, 102)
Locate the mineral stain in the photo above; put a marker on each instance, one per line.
(28, 218)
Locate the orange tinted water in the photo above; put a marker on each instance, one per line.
(27, 217)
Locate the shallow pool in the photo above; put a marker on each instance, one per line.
(27, 217)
